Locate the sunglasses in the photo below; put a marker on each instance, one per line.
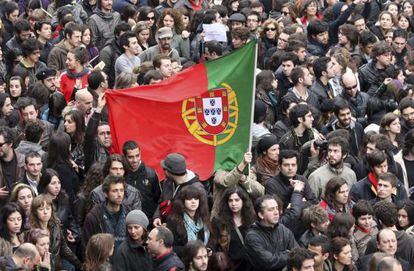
(270, 29)
(150, 18)
(351, 88)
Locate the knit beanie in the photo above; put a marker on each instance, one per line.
(266, 142)
(260, 109)
(137, 217)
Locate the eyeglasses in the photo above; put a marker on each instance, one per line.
(282, 40)
(270, 29)
(351, 88)
(150, 18)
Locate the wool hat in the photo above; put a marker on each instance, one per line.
(237, 17)
(266, 142)
(137, 217)
(174, 163)
(164, 32)
(45, 73)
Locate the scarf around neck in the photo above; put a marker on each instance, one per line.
(193, 229)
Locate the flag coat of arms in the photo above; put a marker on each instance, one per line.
(203, 113)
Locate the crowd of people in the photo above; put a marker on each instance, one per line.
(327, 186)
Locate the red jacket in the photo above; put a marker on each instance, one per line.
(68, 80)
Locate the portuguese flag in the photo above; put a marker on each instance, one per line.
(203, 113)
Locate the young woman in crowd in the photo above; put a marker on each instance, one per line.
(75, 128)
(406, 216)
(60, 160)
(16, 88)
(40, 238)
(143, 34)
(390, 126)
(93, 52)
(340, 255)
(12, 218)
(147, 14)
(98, 250)
(267, 165)
(385, 24)
(23, 195)
(336, 198)
(190, 218)
(235, 216)
(43, 216)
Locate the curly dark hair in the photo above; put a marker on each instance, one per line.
(178, 208)
(176, 15)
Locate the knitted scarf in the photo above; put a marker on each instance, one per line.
(267, 167)
(193, 229)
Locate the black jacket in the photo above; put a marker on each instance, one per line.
(146, 181)
(131, 256)
(321, 91)
(269, 247)
(356, 133)
(358, 104)
(370, 78)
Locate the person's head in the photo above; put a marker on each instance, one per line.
(195, 256)
(84, 101)
(268, 146)
(16, 87)
(33, 165)
(12, 217)
(387, 185)
(160, 240)
(288, 163)
(137, 223)
(174, 165)
(99, 248)
(5, 105)
(6, 142)
(163, 64)
(27, 255)
(236, 201)
(164, 38)
(73, 34)
(381, 53)
(301, 77)
(253, 21)
(385, 20)
(129, 43)
(366, 41)
(28, 109)
(142, 32)
(378, 162)
(11, 11)
(192, 201)
(337, 192)
(57, 103)
(338, 149)
(171, 18)
(212, 50)
(105, 5)
(267, 210)
(406, 214)
(114, 189)
(318, 30)
(97, 79)
(320, 246)
(321, 67)
(103, 134)
(363, 214)
(315, 218)
(23, 195)
(76, 59)
(301, 114)
(341, 251)
(114, 165)
(270, 29)
(300, 259)
(22, 29)
(50, 183)
(359, 22)
(125, 80)
(31, 49)
(386, 213)
(240, 36)
(342, 112)
(390, 124)
(387, 241)
(406, 107)
(287, 103)
(298, 47)
(265, 80)
(42, 211)
(289, 60)
(399, 40)
(74, 123)
(389, 263)
(132, 153)
(40, 238)
(350, 84)
(152, 77)
(47, 77)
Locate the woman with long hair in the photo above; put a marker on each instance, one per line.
(60, 159)
(268, 40)
(406, 216)
(142, 30)
(16, 88)
(172, 18)
(147, 14)
(86, 40)
(43, 216)
(75, 127)
(336, 198)
(390, 126)
(385, 24)
(40, 238)
(340, 255)
(11, 221)
(266, 85)
(23, 195)
(98, 250)
(235, 216)
(267, 165)
(190, 218)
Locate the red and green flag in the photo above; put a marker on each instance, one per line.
(203, 113)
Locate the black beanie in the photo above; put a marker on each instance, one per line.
(259, 111)
(266, 142)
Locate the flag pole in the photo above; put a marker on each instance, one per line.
(253, 97)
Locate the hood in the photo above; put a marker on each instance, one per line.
(105, 16)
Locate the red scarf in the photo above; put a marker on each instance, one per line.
(362, 229)
(373, 180)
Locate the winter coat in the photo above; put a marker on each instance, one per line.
(132, 256)
(268, 247)
(102, 27)
(321, 91)
(132, 198)
(108, 55)
(57, 56)
(370, 78)
(68, 81)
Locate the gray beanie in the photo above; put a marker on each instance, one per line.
(137, 217)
